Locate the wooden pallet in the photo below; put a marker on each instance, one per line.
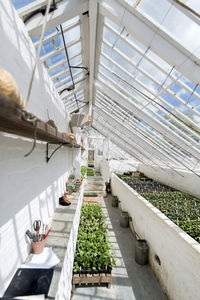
(85, 279)
(90, 200)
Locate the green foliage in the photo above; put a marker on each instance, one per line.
(182, 209)
(70, 187)
(90, 172)
(83, 172)
(71, 177)
(93, 247)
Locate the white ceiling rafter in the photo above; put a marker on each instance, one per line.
(137, 126)
(138, 140)
(144, 30)
(68, 78)
(174, 79)
(161, 128)
(120, 142)
(79, 86)
(76, 81)
(186, 11)
(156, 159)
(85, 45)
(63, 61)
(65, 11)
(93, 28)
(56, 51)
(52, 36)
(172, 139)
(135, 148)
(161, 101)
(62, 72)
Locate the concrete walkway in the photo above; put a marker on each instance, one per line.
(130, 280)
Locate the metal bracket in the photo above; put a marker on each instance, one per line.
(47, 151)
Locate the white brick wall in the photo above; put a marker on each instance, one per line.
(29, 190)
(29, 187)
(178, 252)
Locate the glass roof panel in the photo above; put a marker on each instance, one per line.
(172, 20)
(119, 113)
(21, 3)
(150, 75)
(55, 58)
(70, 22)
(72, 34)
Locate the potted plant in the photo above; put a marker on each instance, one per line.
(71, 177)
(70, 188)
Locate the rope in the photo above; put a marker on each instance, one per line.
(38, 51)
(27, 116)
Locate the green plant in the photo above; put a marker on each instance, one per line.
(83, 172)
(182, 209)
(70, 187)
(93, 247)
(71, 177)
(90, 172)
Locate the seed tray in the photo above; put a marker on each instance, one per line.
(91, 279)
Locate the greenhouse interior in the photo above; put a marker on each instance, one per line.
(100, 149)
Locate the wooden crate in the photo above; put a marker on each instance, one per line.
(90, 200)
(94, 279)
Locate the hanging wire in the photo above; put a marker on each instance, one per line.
(187, 101)
(28, 116)
(162, 90)
(70, 70)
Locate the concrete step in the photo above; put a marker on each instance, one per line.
(95, 177)
(94, 181)
(96, 187)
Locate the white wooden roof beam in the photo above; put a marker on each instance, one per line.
(76, 81)
(163, 144)
(187, 12)
(56, 51)
(79, 86)
(66, 10)
(93, 28)
(55, 34)
(156, 159)
(62, 72)
(135, 148)
(153, 62)
(85, 45)
(66, 79)
(131, 106)
(134, 137)
(120, 143)
(150, 34)
(161, 101)
(148, 75)
(63, 61)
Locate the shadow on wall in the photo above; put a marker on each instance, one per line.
(30, 189)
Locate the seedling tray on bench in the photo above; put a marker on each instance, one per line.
(93, 279)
